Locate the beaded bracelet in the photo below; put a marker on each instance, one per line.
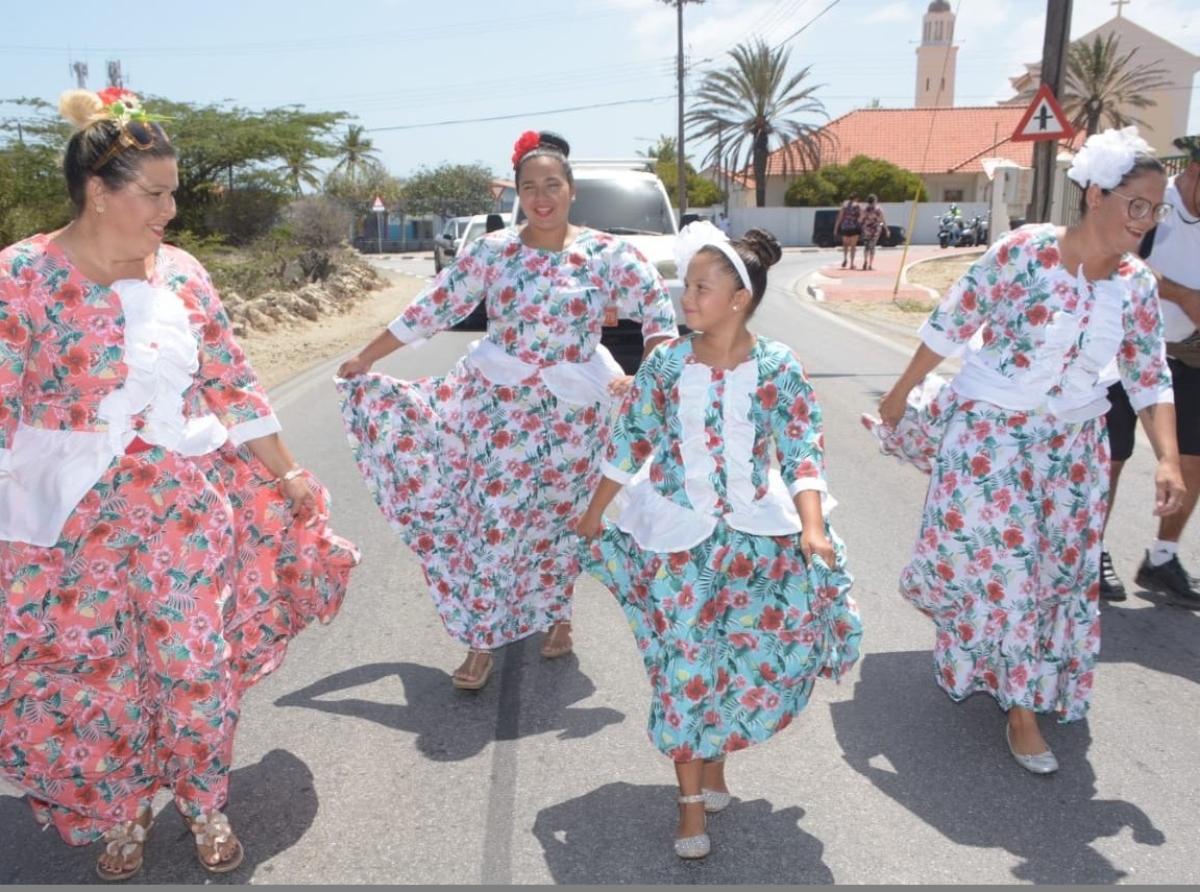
(292, 474)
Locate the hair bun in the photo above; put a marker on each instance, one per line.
(80, 107)
(763, 245)
(554, 141)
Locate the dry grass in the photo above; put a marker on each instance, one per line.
(942, 272)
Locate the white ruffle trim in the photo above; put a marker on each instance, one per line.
(50, 471)
(658, 524)
(579, 383)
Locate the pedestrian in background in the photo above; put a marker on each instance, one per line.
(159, 545)
(1007, 559)
(874, 225)
(727, 569)
(483, 470)
(1172, 250)
(848, 225)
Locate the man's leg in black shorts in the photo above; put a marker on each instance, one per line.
(1121, 424)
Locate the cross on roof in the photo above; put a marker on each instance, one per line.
(1119, 4)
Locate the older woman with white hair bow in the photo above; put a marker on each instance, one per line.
(1008, 555)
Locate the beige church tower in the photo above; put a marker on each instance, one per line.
(936, 58)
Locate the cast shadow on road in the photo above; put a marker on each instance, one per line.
(1165, 638)
(271, 806)
(527, 696)
(947, 764)
(622, 834)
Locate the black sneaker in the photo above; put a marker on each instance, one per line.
(1111, 586)
(1169, 579)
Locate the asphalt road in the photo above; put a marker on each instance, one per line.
(357, 762)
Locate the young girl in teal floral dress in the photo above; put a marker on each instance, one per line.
(731, 577)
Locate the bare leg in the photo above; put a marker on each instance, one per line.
(1023, 731)
(1114, 479)
(690, 777)
(714, 776)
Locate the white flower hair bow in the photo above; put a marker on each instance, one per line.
(703, 234)
(1106, 157)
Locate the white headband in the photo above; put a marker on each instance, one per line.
(1106, 157)
(702, 234)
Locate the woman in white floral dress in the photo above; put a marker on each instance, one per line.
(483, 471)
(1007, 559)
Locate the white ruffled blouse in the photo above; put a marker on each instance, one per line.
(707, 433)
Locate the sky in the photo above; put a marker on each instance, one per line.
(458, 82)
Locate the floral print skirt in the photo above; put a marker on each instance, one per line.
(482, 482)
(733, 633)
(1007, 560)
(125, 648)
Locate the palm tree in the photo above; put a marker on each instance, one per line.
(357, 155)
(751, 106)
(1102, 85)
(299, 170)
(664, 150)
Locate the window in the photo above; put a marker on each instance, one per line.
(954, 195)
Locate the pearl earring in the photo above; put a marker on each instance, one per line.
(99, 209)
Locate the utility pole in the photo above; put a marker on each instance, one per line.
(682, 200)
(1054, 57)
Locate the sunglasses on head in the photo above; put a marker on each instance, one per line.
(134, 134)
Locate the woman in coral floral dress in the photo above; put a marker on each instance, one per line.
(1007, 559)
(730, 575)
(483, 470)
(158, 545)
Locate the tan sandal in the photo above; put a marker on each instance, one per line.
(558, 641)
(471, 675)
(126, 841)
(212, 831)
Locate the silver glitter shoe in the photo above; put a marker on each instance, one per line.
(691, 847)
(715, 801)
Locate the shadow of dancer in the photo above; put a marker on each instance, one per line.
(927, 753)
(534, 696)
(272, 804)
(620, 834)
(1165, 638)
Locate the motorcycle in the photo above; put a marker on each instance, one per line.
(975, 233)
(950, 229)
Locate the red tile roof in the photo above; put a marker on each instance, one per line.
(924, 140)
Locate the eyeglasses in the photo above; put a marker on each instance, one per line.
(134, 134)
(1140, 207)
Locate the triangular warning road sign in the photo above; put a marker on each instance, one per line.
(377, 206)
(1044, 119)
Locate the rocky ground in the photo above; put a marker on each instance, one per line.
(286, 332)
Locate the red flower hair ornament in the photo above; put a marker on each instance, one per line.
(526, 143)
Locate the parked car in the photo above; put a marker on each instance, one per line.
(626, 198)
(447, 242)
(823, 235)
(477, 226)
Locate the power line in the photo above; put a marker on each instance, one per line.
(532, 114)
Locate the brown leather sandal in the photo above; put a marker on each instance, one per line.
(475, 671)
(126, 841)
(212, 832)
(558, 641)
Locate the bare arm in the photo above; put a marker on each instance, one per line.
(1187, 299)
(273, 452)
(1158, 421)
(383, 344)
(812, 538)
(924, 361)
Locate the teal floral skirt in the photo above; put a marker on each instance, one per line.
(733, 633)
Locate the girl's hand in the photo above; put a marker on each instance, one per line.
(590, 524)
(353, 367)
(815, 542)
(618, 387)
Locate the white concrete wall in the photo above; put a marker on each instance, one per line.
(793, 226)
